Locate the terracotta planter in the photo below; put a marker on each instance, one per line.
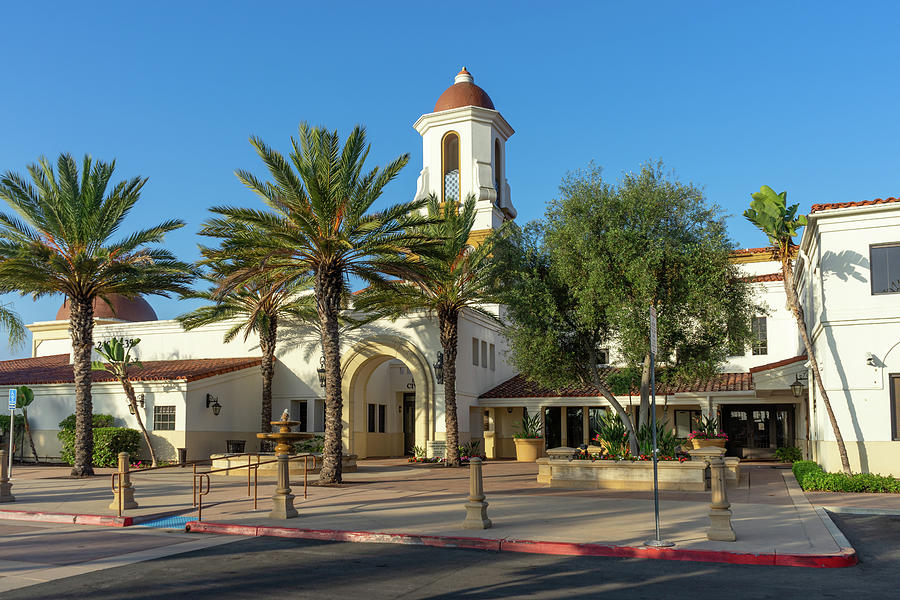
(529, 449)
(713, 443)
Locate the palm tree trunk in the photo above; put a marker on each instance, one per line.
(329, 282)
(645, 392)
(132, 400)
(449, 324)
(267, 341)
(28, 433)
(81, 326)
(794, 302)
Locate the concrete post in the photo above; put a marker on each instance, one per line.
(283, 500)
(720, 529)
(476, 507)
(124, 485)
(5, 485)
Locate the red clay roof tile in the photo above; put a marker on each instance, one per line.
(835, 205)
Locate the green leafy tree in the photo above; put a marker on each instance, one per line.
(24, 398)
(455, 278)
(62, 243)
(117, 360)
(605, 253)
(770, 213)
(319, 225)
(259, 305)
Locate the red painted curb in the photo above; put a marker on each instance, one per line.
(845, 558)
(74, 519)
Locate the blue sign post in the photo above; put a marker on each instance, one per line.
(13, 396)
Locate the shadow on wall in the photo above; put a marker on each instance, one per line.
(163, 447)
(846, 265)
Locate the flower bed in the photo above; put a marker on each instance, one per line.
(595, 472)
(582, 454)
(812, 477)
(438, 459)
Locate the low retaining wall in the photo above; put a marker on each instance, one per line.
(222, 461)
(688, 476)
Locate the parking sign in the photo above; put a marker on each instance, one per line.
(12, 398)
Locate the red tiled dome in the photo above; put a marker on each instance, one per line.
(125, 309)
(463, 92)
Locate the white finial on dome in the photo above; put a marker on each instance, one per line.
(464, 77)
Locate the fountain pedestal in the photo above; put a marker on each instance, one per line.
(283, 500)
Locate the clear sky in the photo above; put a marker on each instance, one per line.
(800, 96)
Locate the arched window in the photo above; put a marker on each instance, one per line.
(498, 176)
(450, 162)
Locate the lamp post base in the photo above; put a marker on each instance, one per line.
(659, 543)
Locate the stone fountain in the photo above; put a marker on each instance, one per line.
(283, 500)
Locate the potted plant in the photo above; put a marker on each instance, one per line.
(529, 440)
(707, 434)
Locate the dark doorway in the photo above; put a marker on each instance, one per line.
(409, 423)
(757, 430)
(553, 427)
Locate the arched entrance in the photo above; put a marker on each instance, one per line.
(362, 411)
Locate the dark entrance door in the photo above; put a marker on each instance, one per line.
(409, 423)
(756, 430)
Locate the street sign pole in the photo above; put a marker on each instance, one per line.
(654, 348)
(13, 393)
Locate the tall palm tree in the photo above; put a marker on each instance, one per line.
(770, 213)
(10, 321)
(116, 355)
(319, 225)
(61, 243)
(455, 278)
(259, 305)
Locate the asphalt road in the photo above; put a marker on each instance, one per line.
(279, 568)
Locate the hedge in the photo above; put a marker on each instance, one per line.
(108, 441)
(811, 477)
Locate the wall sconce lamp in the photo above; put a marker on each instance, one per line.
(213, 402)
(509, 410)
(870, 359)
(139, 400)
(321, 372)
(439, 368)
(797, 386)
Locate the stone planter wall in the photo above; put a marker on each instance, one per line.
(688, 476)
(222, 461)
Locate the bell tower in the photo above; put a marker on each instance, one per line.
(464, 152)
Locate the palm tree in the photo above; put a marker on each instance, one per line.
(770, 213)
(319, 226)
(60, 243)
(13, 325)
(454, 279)
(116, 354)
(259, 305)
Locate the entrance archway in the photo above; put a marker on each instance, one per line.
(358, 366)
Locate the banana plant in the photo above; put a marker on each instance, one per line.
(23, 400)
(116, 354)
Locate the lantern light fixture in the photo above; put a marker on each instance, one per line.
(439, 368)
(213, 402)
(321, 372)
(797, 386)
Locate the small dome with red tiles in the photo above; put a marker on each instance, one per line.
(125, 309)
(463, 92)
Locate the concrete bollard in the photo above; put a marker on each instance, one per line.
(476, 507)
(720, 529)
(5, 485)
(124, 485)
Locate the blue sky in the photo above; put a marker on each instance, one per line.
(796, 95)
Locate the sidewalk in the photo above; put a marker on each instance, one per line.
(424, 504)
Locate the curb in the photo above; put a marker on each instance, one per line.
(841, 559)
(67, 518)
(856, 510)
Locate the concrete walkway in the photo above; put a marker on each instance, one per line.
(771, 514)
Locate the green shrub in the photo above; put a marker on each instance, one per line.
(811, 477)
(100, 420)
(313, 445)
(108, 442)
(788, 454)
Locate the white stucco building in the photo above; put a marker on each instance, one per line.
(848, 274)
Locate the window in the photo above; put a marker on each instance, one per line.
(885, 261)
(484, 357)
(493, 358)
(475, 351)
(450, 167)
(498, 178)
(372, 418)
(686, 421)
(895, 407)
(574, 426)
(163, 418)
(603, 358)
(760, 336)
(377, 416)
(382, 412)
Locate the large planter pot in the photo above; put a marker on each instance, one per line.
(712, 443)
(529, 449)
